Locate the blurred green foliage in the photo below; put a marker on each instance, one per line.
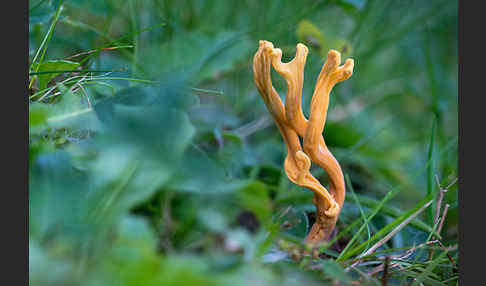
(153, 161)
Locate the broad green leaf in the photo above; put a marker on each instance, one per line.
(335, 271)
(255, 198)
(40, 12)
(56, 195)
(38, 115)
(197, 55)
(200, 173)
(130, 259)
(186, 270)
(47, 70)
(213, 220)
(70, 111)
(356, 3)
(46, 269)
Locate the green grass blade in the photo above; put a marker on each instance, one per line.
(340, 234)
(389, 195)
(428, 270)
(385, 230)
(395, 230)
(36, 5)
(133, 20)
(112, 41)
(366, 221)
(78, 71)
(394, 212)
(425, 280)
(45, 42)
(344, 254)
(350, 185)
(430, 171)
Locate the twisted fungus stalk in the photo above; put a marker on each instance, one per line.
(291, 122)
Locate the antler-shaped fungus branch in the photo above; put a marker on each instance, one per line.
(292, 123)
(297, 164)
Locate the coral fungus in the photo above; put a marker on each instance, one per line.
(292, 123)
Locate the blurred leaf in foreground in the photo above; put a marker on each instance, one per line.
(48, 70)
